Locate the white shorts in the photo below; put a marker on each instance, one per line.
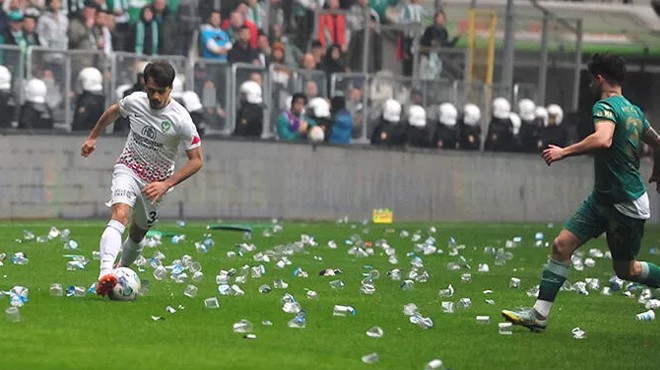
(127, 189)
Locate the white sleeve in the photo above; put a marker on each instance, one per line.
(125, 106)
(189, 136)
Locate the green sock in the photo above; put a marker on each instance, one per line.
(650, 275)
(554, 275)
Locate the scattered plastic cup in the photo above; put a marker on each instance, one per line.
(243, 326)
(646, 316)
(160, 273)
(434, 365)
(371, 358)
(56, 290)
(483, 320)
(505, 328)
(211, 302)
(514, 283)
(340, 310)
(13, 315)
(447, 307)
(375, 332)
(190, 291)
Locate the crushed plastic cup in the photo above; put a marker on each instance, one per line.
(190, 291)
(533, 292)
(224, 289)
(375, 332)
(337, 284)
(422, 322)
(646, 316)
(298, 322)
(291, 307)
(197, 276)
(466, 277)
(56, 290)
(483, 267)
(589, 262)
(407, 284)
(19, 258)
(211, 303)
(465, 303)
(447, 307)
(243, 327)
(514, 283)
(265, 289)
(13, 315)
(505, 328)
(340, 310)
(18, 295)
(71, 244)
(434, 365)
(410, 309)
(160, 273)
(180, 278)
(446, 292)
(395, 275)
(368, 289)
(371, 358)
(578, 333)
(236, 290)
(652, 304)
(195, 267)
(266, 323)
(280, 284)
(483, 319)
(53, 233)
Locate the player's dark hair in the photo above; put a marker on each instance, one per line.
(337, 103)
(244, 27)
(297, 96)
(161, 72)
(612, 67)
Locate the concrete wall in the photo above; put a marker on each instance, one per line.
(45, 176)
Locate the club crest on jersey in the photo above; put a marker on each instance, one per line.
(165, 125)
(149, 132)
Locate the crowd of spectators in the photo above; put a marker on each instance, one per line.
(299, 66)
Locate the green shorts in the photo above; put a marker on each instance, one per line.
(624, 234)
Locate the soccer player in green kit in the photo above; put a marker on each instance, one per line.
(618, 205)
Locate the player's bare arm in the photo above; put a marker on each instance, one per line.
(600, 139)
(108, 117)
(156, 189)
(652, 139)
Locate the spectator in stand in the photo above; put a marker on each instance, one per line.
(361, 16)
(308, 62)
(104, 23)
(304, 16)
(292, 53)
(276, 15)
(342, 122)
(121, 36)
(332, 27)
(234, 25)
(333, 61)
(215, 42)
(277, 53)
(435, 36)
(135, 10)
(147, 33)
(355, 107)
(75, 7)
(167, 27)
(311, 89)
(294, 124)
(52, 26)
(242, 51)
(29, 27)
(263, 49)
(4, 19)
(411, 17)
(14, 34)
(255, 13)
(318, 51)
(81, 30)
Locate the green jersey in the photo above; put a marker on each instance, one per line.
(617, 168)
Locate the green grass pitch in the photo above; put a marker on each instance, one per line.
(95, 333)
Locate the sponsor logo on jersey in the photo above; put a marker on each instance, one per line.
(195, 140)
(165, 125)
(149, 132)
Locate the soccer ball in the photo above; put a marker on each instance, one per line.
(128, 285)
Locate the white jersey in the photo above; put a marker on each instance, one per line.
(155, 136)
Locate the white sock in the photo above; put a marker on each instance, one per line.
(543, 307)
(129, 252)
(110, 245)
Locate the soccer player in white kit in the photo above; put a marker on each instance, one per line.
(144, 171)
